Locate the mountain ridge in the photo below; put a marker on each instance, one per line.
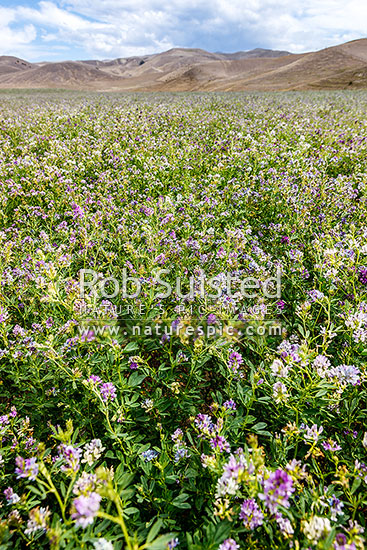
(195, 69)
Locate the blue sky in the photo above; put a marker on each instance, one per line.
(100, 29)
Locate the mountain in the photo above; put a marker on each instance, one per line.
(68, 74)
(257, 52)
(193, 69)
(10, 64)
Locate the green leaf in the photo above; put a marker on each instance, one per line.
(136, 379)
(154, 530)
(131, 510)
(356, 484)
(160, 543)
(259, 426)
(131, 346)
(179, 501)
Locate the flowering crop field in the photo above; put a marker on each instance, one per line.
(183, 321)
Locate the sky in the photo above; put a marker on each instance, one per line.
(102, 29)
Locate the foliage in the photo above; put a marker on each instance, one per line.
(248, 439)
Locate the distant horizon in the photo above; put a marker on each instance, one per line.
(151, 54)
(106, 59)
(73, 30)
(194, 69)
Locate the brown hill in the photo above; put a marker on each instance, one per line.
(257, 52)
(68, 74)
(180, 69)
(10, 64)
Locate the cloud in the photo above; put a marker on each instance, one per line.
(14, 38)
(118, 28)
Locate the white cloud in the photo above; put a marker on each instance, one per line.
(51, 15)
(14, 40)
(117, 28)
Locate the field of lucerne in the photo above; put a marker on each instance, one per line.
(183, 321)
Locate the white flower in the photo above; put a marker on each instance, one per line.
(327, 334)
(285, 525)
(364, 441)
(4, 315)
(103, 544)
(85, 484)
(360, 335)
(93, 451)
(226, 487)
(280, 393)
(330, 251)
(313, 432)
(321, 364)
(316, 528)
(147, 405)
(38, 518)
(278, 368)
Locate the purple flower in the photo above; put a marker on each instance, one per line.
(345, 374)
(204, 424)
(341, 543)
(71, 457)
(4, 420)
(289, 352)
(11, 497)
(49, 322)
(230, 405)
(149, 455)
(251, 514)
(78, 211)
(221, 252)
(315, 295)
(331, 445)
(173, 543)
(108, 391)
(85, 484)
(160, 259)
(220, 442)
(177, 435)
(181, 452)
(363, 275)
(26, 467)
(86, 508)
(277, 490)
(88, 336)
(336, 507)
(31, 444)
(95, 380)
(19, 331)
(235, 361)
(133, 364)
(212, 319)
(233, 471)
